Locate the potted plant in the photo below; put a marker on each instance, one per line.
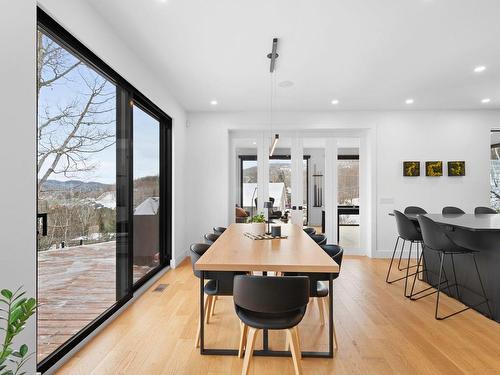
(258, 223)
(15, 310)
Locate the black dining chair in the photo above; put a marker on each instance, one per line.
(320, 239)
(407, 231)
(484, 210)
(273, 303)
(220, 283)
(210, 238)
(317, 289)
(219, 230)
(310, 231)
(436, 239)
(414, 210)
(450, 210)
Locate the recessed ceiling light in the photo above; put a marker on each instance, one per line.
(486, 100)
(213, 102)
(479, 69)
(335, 101)
(285, 84)
(254, 143)
(409, 101)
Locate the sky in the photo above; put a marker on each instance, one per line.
(72, 88)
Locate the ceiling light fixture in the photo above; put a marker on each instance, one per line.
(486, 100)
(335, 101)
(214, 102)
(273, 56)
(479, 69)
(409, 101)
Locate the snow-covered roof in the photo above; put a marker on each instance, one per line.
(150, 206)
(107, 199)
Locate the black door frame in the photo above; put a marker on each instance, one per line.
(126, 95)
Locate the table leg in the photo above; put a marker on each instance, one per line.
(330, 318)
(202, 310)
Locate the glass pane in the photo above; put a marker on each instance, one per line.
(146, 202)
(495, 172)
(348, 197)
(249, 186)
(76, 166)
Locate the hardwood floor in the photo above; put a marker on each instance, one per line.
(379, 332)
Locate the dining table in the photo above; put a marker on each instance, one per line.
(478, 232)
(238, 250)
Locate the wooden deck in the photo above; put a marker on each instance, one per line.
(75, 286)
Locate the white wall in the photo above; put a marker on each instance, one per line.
(393, 137)
(17, 154)
(92, 30)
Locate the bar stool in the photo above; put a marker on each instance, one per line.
(437, 240)
(407, 231)
(410, 210)
(450, 210)
(484, 210)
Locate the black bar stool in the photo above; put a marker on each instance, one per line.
(437, 240)
(310, 231)
(484, 210)
(407, 231)
(410, 210)
(450, 210)
(320, 239)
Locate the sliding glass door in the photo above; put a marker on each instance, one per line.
(76, 194)
(104, 178)
(146, 193)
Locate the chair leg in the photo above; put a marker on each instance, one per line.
(293, 338)
(439, 285)
(401, 256)
(197, 340)
(321, 312)
(212, 307)
(392, 260)
(408, 269)
(243, 338)
(210, 301)
(455, 277)
(252, 332)
(482, 286)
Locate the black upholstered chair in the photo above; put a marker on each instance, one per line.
(219, 230)
(220, 283)
(407, 231)
(320, 239)
(484, 210)
(318, 289)
(450, 210)
(275, 303)
(310, 231)
(414, 210)
(436, 239)
(210, 238)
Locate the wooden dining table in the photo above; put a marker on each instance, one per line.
(234, 251)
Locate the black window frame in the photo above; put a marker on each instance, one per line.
(275, 157)
(126, 96)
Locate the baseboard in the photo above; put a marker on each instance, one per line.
(174, 262)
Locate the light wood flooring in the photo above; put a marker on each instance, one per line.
(379, 332)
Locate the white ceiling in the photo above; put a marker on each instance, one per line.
(368, 54)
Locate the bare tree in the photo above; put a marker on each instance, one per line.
(69, 133)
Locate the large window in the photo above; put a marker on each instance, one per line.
(495, 170)
(103, 154)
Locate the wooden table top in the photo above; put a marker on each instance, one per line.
(472, 222)
(233, 251)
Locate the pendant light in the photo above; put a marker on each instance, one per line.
(273, 56)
